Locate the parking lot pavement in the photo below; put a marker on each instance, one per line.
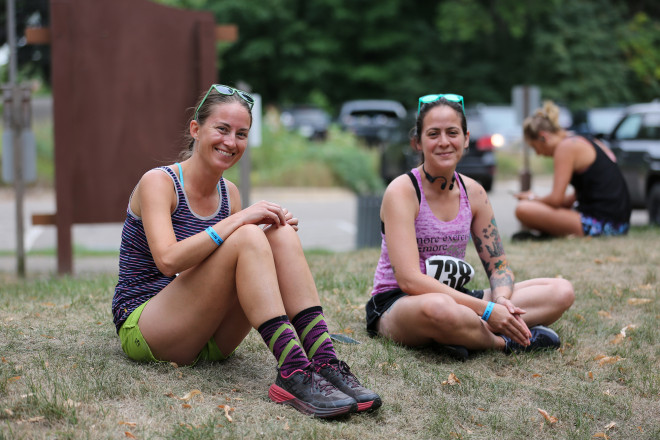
(328, 220)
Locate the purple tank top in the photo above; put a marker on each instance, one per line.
(434, 237)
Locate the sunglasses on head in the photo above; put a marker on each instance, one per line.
(226, 90)
(427, 99)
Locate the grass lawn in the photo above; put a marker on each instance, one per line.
(63, 374)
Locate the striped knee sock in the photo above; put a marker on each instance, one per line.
(281, 340)
(313, 332)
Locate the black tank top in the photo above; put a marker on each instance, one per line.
(601, 190)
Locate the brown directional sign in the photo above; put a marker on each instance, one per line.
(125, 75)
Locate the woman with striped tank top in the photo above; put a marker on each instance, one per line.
(428, 217)
(197, 271)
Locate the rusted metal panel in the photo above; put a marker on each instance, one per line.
(125, 76)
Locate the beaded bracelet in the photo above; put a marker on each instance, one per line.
(489, 308)
(214, 236)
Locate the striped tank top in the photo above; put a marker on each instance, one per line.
(139, 278)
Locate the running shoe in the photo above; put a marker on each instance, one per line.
(542, 338)
(310, 393)
(339, 374)
(456, 352)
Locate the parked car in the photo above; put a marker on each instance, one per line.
(374, 120)
(310, 121)
(494, 125)
(597, 122)
(636, 143)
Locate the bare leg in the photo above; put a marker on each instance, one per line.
(544, 299)
(295, 279)
(234, 289)
(554, 221)
(419, 319)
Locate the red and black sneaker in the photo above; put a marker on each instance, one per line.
(339, 374)
(310, 393)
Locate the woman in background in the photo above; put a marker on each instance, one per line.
(603, 204)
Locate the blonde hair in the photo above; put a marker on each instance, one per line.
(545, 118)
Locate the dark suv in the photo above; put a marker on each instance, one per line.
(636, 143)
(374, 120)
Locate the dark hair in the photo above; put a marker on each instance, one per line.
(456, 106)
(214, 98)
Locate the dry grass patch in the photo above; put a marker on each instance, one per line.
(63, 375)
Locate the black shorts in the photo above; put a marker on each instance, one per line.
(381, 302)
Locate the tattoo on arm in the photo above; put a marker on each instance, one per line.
(495, 249)
(477, 243)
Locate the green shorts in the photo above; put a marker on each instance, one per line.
(136, 348)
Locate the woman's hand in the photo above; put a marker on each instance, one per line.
(525, 195)
(265, 213)
(505, 319)
(290, 219)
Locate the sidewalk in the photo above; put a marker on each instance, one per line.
(328, 220)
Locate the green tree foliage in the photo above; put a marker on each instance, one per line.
(580, 52)
(640, 42)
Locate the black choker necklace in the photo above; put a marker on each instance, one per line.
(444, 183)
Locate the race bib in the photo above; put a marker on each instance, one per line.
(454, 272)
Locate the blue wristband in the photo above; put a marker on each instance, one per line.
(489, 308)
(214, 236)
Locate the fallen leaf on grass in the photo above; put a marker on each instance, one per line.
(468, 430)
(131, 424)
(13, 379)
(638, 301)
(35, 419)
(4, 361)
(48, 336)
(590, 375)
(610, 426)
(227, 409)
(548, 418)
(617, 339)
(604, 314)
(600, 435)
(190, 395)
(606, 360)
(185, 398)
(622, 334)
(186, 406)
(628, 327)
(71, 404)
(537, 375)
(129, 435)
(451, 380)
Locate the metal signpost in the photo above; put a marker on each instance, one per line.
(525, 99)
(16, 121)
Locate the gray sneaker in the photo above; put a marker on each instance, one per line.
(543, 338)
(310, 393)
(339, 374)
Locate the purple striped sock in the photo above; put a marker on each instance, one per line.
(280, 338)
(313, 332)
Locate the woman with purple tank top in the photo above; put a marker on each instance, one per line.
(428, 217)
(197, 271)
